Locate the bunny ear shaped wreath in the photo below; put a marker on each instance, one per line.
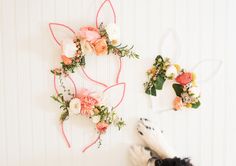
(184, 81)
(185, 87)
(99, 40)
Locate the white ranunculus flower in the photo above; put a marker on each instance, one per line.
(113, 32)
(68, 48)
(96, 118)
(75, 106)
(195, 91)
(171, 71)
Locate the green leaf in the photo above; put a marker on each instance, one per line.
(196, 105)
(153, 91)
(82, 61)
(56, 98)
(159, 82)
(159, 59)
(148, 91)
(64, 115)
(178, 89)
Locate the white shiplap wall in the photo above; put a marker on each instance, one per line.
(28, 118)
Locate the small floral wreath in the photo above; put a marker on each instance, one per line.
(91, 40)
(187, 92)
(88, 104)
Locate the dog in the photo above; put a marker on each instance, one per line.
(157, 151)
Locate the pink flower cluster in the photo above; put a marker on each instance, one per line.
(90, 42)
(88, 101)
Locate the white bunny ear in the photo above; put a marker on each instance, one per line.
(64, 32)
(206, 69)
(170, 45)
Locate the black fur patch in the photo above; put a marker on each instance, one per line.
(173, 162)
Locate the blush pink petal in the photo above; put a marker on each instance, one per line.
(90, 34)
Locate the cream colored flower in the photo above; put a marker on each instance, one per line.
(86, 47)
(171, 71)
(75, 106)
(195, 91)
(113, 32)
(96, 118)
(68, 48)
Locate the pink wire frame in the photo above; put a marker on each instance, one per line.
(100, 83)
(91, 144)
(62, 25)
(99, 9)
(88, 77)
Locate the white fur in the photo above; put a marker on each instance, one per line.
(154, 139)
(139, 155)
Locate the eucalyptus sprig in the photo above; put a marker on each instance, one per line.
(122, 51)
(109, 116)
(64, 105)
(119, 50)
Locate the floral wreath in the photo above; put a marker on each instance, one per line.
(91, 40)
(88, 104)
(99, 40)
(185, 87)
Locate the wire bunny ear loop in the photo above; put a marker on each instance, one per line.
(97, 25)
(75, 94)
(211, 73)
(107, 88)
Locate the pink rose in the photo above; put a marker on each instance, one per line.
(102, 127)
(90, 34)
(88, 101)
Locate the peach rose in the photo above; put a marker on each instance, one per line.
(66, 60)
(91, 34)
(184, 78)
(102, 127)
(100, 46)
(177, 103)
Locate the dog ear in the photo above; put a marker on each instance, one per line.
(170, 45)
(114, 94)
(206, 69)
(64, 32)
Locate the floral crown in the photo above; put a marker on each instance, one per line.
(99, 40)
(184, 82)
(88, 104)
(185, 87)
